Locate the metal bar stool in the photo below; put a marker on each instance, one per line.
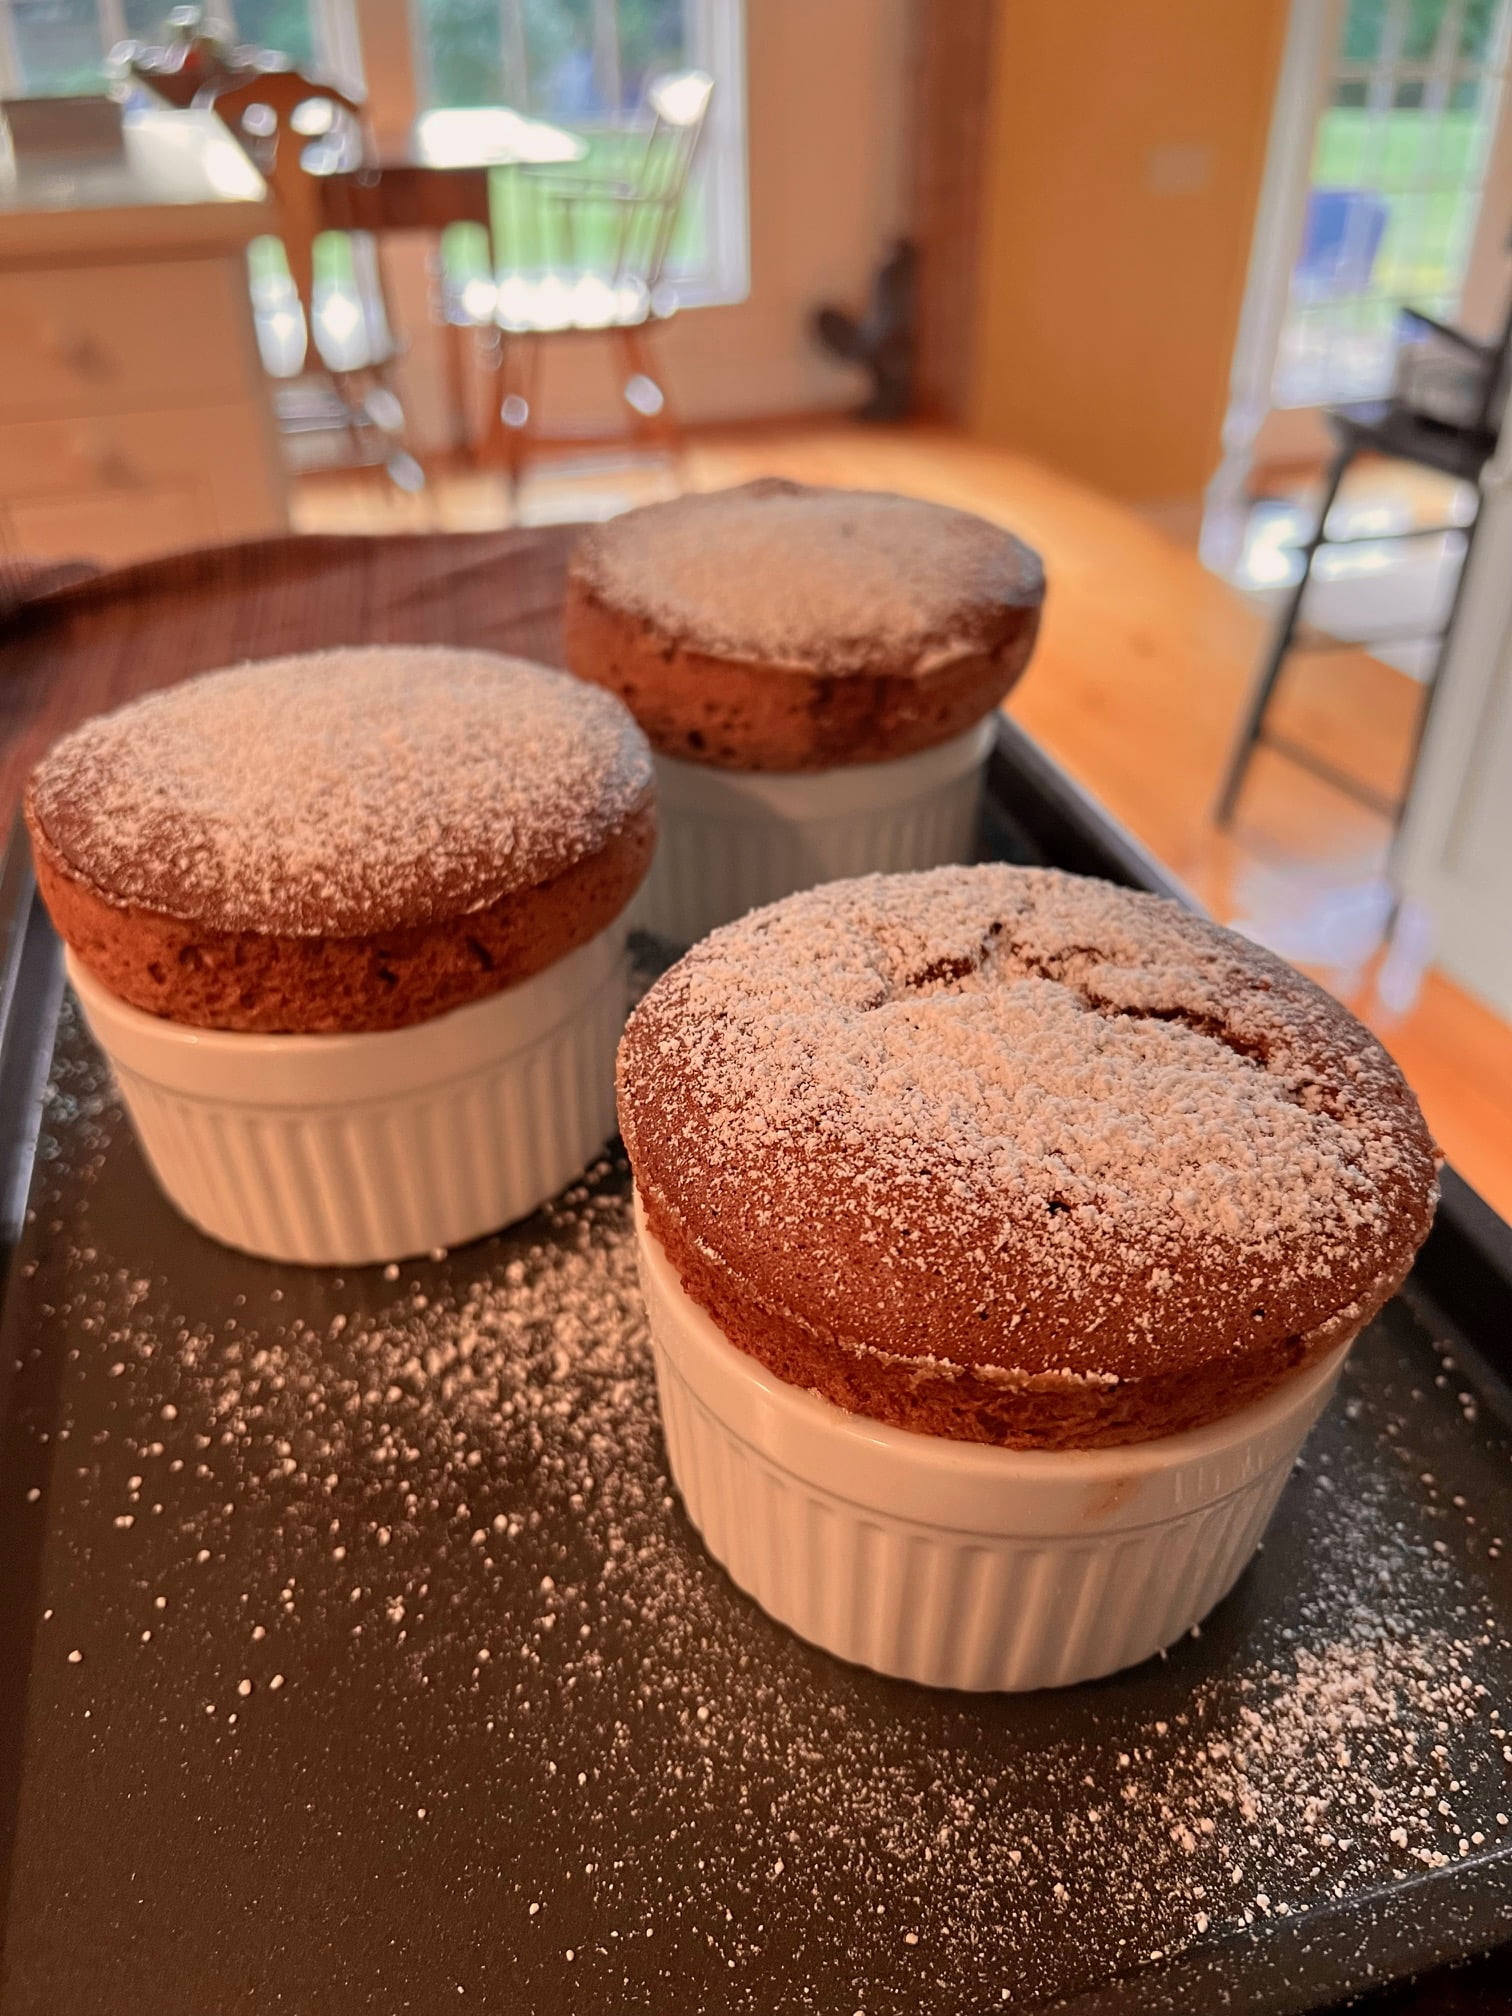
(1398, 430)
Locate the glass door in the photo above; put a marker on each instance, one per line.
(1398, 167)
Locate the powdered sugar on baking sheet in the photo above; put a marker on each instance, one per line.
(343, 792)
(1071, 1116)
(440, 1502)
(829, 580)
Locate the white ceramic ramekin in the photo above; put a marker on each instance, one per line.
(734, 839)
(334, 1150)
(952, 1563)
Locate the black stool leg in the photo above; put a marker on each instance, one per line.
(1270, 678)
(1420, 729)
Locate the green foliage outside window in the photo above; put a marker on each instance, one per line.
(1366, 23)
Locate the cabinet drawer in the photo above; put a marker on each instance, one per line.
(106, 526)
(103, 339)
(119, 485)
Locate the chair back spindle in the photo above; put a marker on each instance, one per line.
(310, 142)
(643, 208)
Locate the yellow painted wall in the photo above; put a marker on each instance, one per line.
(1126, 151)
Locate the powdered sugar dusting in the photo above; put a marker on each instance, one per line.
(428, 1521)
(833, 580)
(441, 1502)
(343, 792)
(1069, 1120)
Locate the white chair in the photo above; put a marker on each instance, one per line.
(599, 269)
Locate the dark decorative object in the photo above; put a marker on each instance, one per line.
(883, 339)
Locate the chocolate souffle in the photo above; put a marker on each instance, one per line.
(350, 840)
(778, 627)
(1016, 1157)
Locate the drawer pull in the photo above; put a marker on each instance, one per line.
(82, 355)
(107, 461)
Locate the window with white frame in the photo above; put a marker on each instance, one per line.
(580, 64)
(585, 65)
(52, 48)
(1399, 163)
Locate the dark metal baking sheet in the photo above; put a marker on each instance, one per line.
(530, 1752)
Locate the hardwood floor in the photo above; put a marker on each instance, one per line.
(1144, 662)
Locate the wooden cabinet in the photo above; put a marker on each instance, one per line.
(118, 486)
(134, 412)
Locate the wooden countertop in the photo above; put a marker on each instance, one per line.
(180, 183)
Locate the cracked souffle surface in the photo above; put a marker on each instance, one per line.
(1019, 1157)
(344, 840)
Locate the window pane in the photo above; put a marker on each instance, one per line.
(278, 24)
(1477, 28)
(1424, 19)
(565, 83)
(652, 39)
(1460, 135)
(1392, 265)
(1374, 345)
(462, 45)
(58, 46)
(1362, 30)
(1407, 138)
(1396, 189)
(584, 65)
(147, 20)
(586, 62)
(1435, 151)
(1339, 157)
(1461, 228)
(590, 60)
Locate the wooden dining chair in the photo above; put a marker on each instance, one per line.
(300, 132)
(619, 296)
(196, 55)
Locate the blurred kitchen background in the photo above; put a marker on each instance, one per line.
(1209, 299)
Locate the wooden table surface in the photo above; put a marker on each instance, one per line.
(91, 646)
(487, 136)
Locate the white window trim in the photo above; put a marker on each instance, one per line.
(10, 62)
(338, 43)
(1312, 30)
(717, 44)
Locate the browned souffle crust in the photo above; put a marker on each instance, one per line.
(349, 840)
(1018, 1157)
(777, 627)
